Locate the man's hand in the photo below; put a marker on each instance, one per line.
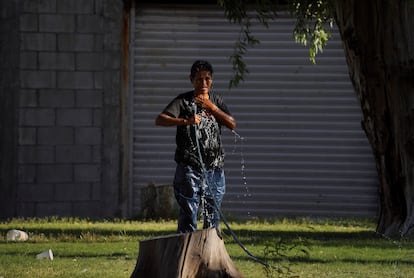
(195, 119)
(204, 101)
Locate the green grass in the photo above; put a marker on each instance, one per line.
(307, 248)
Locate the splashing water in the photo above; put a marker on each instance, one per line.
(205, 210)
(205, 207)
(237, 137)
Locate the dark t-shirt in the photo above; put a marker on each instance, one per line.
(209, 132)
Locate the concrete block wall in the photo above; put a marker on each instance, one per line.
(9, 84)
(68, 131)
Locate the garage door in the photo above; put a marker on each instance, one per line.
(299, 148)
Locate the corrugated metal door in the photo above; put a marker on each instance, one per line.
(303, 152)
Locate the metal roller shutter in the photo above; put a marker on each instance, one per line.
(303, 151)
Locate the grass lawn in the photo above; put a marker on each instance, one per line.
(303, 248)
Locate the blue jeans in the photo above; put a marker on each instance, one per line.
(195, 189)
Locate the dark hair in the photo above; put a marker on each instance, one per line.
(200, 65)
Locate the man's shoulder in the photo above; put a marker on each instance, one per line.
(186, 95)
(215, 96)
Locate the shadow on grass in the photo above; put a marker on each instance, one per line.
(335, 239)
(309, 234)
(247, 237)
(116, 255)
(77, 232)
(245, 233)
(308, 260)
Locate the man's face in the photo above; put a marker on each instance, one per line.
(202, 82)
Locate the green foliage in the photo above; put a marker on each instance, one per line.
(245, 13)
(310, 30)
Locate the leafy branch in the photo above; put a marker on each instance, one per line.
(310, 29)
(244, 13)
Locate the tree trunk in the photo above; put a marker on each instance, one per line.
(378, 37)
(200, 255)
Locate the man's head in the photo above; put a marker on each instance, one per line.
(200, 65)
(201, 77)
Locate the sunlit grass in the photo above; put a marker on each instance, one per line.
(309, 248)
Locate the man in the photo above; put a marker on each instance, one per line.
(199, 178)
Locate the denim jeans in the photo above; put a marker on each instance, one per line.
(195, 190)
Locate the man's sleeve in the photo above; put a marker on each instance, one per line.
(220, 103)
(173, 108)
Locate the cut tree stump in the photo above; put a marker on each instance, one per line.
(200, 254)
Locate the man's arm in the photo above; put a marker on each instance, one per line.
(222, 117)
(166, 120)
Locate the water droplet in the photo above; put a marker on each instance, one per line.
(239, 144)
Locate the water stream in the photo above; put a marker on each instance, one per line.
(238, 139)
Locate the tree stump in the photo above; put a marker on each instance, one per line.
(200, 254)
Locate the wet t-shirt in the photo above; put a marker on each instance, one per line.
(208, 132)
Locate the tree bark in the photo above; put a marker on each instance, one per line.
(201, 254)
(378, 38)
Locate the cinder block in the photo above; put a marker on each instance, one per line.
(88, 135)
(112, 40)
(74, 117)
(35, 192)
(89, 24)
(96, 153)
(28, 22)
(96, 191)
(99, 42)
(25, 209)
(87, 173)
(75, 80)
(28, 60)
(30, 6)
(56, 61)
(112, 60)
(99, 7)
(54, 173)
(47, 6)
(56, 98)
(55, 135)
(36, 117)
(26, 174)
(27, 135)
(62, 209)
(56, 23)
(112, 10)
(97, 117)
(76, 42)
(38, 41)
(41, 6)
(36, 154)
(98, 80)
(89, 98)
(38, 79)
(87, 209)
(28, 98)
(74, 154)
(75, 6)
(89, 61)
(72, 192)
